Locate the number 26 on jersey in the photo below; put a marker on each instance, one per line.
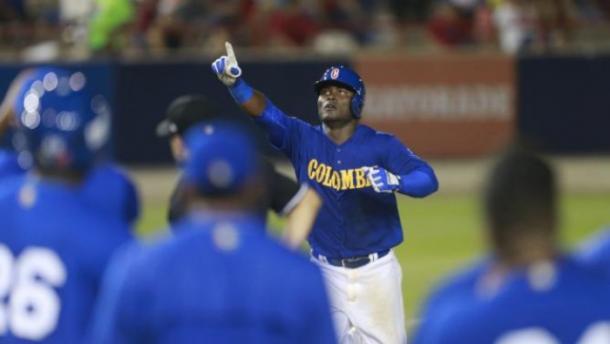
(29, 304)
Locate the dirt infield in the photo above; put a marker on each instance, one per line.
(581, 174)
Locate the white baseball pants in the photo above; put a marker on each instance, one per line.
(366, 302)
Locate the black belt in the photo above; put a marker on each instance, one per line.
(352, 262)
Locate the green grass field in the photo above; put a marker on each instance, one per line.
(442, 233)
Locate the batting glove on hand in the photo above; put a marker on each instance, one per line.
(226, 67)
(382, 180)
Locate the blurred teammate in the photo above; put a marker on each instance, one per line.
(107, 187)
(356, 170)
(298, 203)
(219, 279)
(527, 290)
(54, 249)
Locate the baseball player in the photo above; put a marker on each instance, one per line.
(356, 170)
(53, 248)
(107, 188)
(526, 290)
(298, 203)
(219, 279)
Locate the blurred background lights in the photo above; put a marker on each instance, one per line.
(31, 102)
(77, 81)
(31, 119)
(49, 82)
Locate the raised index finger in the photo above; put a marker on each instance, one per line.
(230, 53)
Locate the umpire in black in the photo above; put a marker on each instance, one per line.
(299, 204)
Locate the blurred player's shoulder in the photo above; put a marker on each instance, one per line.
(248, 232)
(111, 172)
(215, 239)
(53, 215)
(111, 190)
(595, 251)
(56, 203)
(459, 286)
(479, 279)
(592, 275)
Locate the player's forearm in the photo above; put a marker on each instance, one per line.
(419, 183)
(251, 101)
(301, 219)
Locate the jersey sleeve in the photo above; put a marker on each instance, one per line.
(283, 131)
(399, 159)
(417, 178)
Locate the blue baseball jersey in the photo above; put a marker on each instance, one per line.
(107, 188)
(560, 302)
(218, 280)
(53, 253)
(9, 165)
(110, 190)
(354, 219)
(595, 252)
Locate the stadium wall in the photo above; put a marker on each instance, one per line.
(564, 103)
(441, 105)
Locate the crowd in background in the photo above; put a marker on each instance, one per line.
(140, 27)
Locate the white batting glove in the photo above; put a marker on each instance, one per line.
(226, 67)
(382, 180)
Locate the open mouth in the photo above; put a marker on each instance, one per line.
(330, 107)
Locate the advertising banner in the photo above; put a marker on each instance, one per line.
(441, 105)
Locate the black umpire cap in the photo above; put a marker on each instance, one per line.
(184, 112)
(187, 110)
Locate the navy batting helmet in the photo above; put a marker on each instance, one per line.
(61, 126)
(348, 78)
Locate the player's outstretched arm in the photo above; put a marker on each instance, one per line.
(300, 219)
(229, 73)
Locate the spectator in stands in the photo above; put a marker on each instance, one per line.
(451, 22)
(517, 25)
(108, 23)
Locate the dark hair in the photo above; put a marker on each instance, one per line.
(520, 197)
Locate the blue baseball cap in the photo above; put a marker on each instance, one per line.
(222, 158)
